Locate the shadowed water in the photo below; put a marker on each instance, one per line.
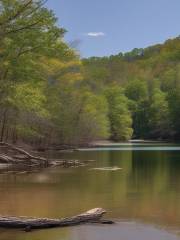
(139, 187)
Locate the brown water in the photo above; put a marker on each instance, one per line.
(143, 196)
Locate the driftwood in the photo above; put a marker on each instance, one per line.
(4, 158)
(25, 154)
(16, 158)
(14, 155)
(92, 216)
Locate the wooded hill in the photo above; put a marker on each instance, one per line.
(49, 96)
(142, 88)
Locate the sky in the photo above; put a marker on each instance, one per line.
(106, 27)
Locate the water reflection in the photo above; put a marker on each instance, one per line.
(120, 231)
(147, 189)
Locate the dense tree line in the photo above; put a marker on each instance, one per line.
(43, 99)
(150, 80)
(48, 95)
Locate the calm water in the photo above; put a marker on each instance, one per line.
(143, 197)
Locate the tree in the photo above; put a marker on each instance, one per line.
(79, 115)
(28, 34)
(160, 126)
(174, 103)
(137, 92)
(119, 114)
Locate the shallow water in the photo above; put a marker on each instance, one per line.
(143, 197)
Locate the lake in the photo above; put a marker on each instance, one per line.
(138, 185)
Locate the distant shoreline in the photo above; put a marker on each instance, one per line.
(109, 142)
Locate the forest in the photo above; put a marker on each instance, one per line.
(49, 95)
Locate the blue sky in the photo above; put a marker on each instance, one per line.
(105, 27)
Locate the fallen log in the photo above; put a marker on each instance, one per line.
(91, 216)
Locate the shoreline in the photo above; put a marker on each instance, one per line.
(37, 160)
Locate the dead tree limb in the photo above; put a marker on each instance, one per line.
(6, 159)
(17, 156)
(20, 150)
(91, 216)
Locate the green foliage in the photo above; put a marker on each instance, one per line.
(81, 118)
(151, 78)
(48, 95)
(136, 90)
(119, 114)
(159, 114)
(42, 97)
(174, 106)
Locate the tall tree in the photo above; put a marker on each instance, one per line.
(119, 114)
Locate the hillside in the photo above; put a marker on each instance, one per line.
(150, 79)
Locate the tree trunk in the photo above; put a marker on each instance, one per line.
(3, 125)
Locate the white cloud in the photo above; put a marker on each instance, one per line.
(95, 34)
